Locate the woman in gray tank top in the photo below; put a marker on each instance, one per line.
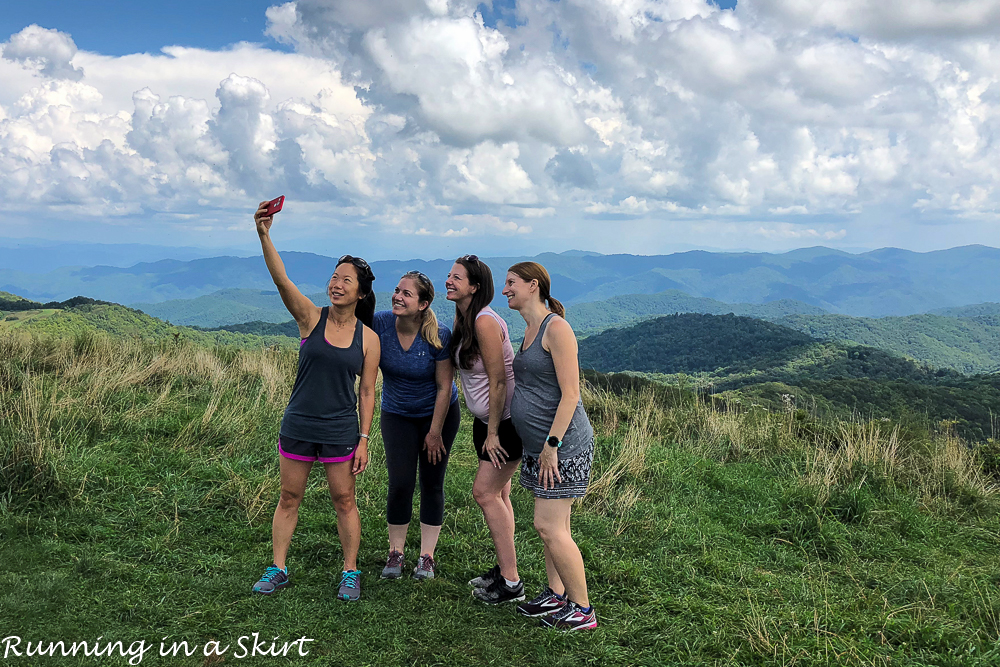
(321, 421)
(558, 442)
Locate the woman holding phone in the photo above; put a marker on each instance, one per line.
(480, 347)
(321, 420)
(558, 442)
(419, 419)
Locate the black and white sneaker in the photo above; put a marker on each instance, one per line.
(546, 603)
(486, 578)
(499, 592)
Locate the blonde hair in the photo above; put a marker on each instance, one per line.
(429, 323)
(529, 271)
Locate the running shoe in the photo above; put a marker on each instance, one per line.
(393, 565)
(350, 586)
(499, 592)
(424, 568)
(572, 617)
(546, 603)
(273, 579)
(486, 578)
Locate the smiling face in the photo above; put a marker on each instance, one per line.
(343, 286)
(518, 292)
(406, 299)
(457, 285)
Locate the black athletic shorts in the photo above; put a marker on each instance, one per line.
(509, 439)
(300, 450)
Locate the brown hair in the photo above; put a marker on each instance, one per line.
(529, 271)
(429, 324)
(463, 338)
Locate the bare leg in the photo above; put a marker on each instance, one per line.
(428, 538)
(341, 481)
(294, 475)
(552, 524)
(397, 536)
(492, 491)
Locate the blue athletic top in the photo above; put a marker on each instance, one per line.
(409, 387)
(324, 408)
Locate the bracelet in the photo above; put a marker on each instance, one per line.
(365, 436)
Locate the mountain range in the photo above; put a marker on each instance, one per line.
(879, 283)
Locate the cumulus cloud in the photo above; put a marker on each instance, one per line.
(48, 51)
(410, 114)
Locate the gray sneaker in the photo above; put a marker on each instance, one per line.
(393, 565)
(273, 579)
(424, 568)
(486, 578)
(350, 586)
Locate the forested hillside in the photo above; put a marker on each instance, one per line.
(772, 365)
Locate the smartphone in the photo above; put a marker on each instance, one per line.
(275, 205)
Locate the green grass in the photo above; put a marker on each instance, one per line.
(137, 483)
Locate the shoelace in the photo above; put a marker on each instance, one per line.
(395, 559)
(271, 573)
(350, 579)
(426, 563)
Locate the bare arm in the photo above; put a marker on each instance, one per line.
(366, 396)
(444, 375)
(305, 312)
(560, 341)
(490, 337)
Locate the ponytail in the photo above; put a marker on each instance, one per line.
(364, 310)
(429, 329)
(556, 307)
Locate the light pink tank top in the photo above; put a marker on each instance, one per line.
(475, 382)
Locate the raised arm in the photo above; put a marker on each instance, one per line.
(305, 312)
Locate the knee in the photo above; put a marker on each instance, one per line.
(483, 495)
(343, 500)
(546, 529)
(289, 500)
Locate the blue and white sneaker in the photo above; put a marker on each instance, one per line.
(350, 586)
(274, 578)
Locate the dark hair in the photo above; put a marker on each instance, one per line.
(364, 310)
(529, 271)
(425, 292)
(463, 338)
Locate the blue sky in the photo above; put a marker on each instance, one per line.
(121, 27)
(426, 126)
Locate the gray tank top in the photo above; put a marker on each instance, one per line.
(536, 399)
(324, 406)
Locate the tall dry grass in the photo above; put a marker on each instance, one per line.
(57, 394)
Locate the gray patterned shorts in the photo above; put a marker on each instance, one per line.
(574, 471)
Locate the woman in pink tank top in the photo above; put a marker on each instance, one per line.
(480, 347)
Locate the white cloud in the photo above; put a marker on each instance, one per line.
(410, 114)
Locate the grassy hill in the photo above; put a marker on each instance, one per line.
(122, 322)
(137, 483)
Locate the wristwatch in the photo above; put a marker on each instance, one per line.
(553, 441)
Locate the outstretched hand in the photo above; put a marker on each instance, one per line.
(262, 220)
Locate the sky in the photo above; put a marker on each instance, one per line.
(429, 128)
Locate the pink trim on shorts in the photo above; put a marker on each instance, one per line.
(294, 457)
(303, 342)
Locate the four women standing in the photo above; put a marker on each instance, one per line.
(527, 410)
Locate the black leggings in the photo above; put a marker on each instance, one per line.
(404, 447)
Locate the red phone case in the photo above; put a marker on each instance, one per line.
(275, 205)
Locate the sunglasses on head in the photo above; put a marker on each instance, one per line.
(358, 263)
(469, 258)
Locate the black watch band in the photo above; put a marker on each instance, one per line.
(553, 441)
